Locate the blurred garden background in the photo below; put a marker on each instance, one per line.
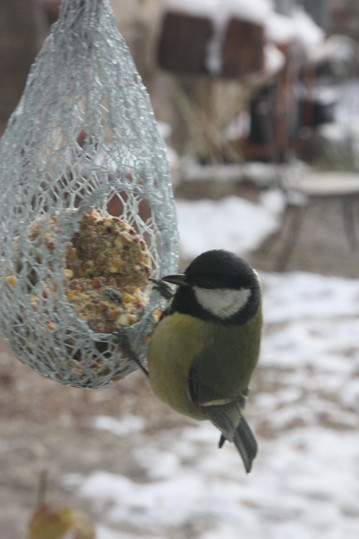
(258, 103)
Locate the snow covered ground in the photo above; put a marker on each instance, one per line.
(231, 223)
(303, 407)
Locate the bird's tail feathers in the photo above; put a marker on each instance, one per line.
(245, 443)
(225, 417)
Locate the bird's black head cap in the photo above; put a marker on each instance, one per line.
(217, 269)
(220, 269)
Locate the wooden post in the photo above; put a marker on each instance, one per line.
(22, 30)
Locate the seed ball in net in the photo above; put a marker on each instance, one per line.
(106, 269)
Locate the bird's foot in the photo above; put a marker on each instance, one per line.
(128, 351)
(163, 288)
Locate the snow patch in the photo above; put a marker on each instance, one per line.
(305, 479)
(231, 223)
(119, 427)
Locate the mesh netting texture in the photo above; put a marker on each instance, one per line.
(86, 206)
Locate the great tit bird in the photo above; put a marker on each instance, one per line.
(206, 345)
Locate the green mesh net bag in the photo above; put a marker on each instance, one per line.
(86, 208)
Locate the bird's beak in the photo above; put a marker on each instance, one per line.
(179, 279)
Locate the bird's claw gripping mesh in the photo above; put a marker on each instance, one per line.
(81, 144)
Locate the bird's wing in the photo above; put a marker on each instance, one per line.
(218, 373)
(223, 409)
(199, 391)
(224, 413)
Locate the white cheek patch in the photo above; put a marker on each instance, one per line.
(222, 302)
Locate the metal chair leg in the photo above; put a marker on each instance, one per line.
(348, 211)
(294, 217)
